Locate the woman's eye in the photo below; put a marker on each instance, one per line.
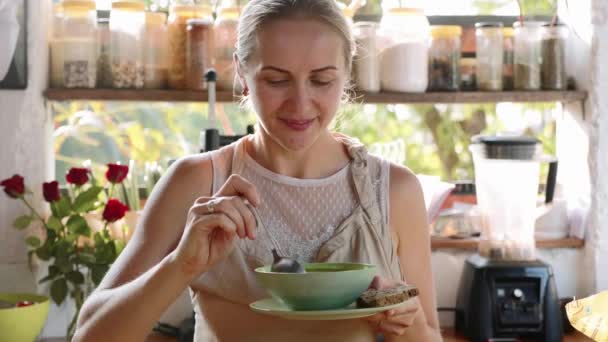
(321, 82)
(276, 82)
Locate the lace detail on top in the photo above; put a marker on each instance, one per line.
(301, 214)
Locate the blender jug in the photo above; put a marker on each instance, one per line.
(506, 179)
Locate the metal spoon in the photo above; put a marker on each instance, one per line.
(285, 265)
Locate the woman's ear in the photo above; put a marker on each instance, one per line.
(240, 74)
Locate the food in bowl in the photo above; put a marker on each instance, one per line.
(373, 298)
(22, 316)
(324, 286)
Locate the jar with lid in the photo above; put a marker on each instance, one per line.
(56, 47)
(403, 43)
(468, 78)
(104, 69)
(127, 25)
(225, 37)
(526, 55)
(179, 13)
(79, 41)
(507, 66)
(367, 61)
(156, 58)
(199, 52)
(553, 51)
(444, 58)
(489, 52)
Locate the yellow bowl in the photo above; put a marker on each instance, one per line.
(22, 324)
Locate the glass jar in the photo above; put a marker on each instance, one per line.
(553, 52)
(199, 50)
(104, 69)
(444, 58)
(156, 58)
(79, 40)
(468, 77)
(367, 61)
(507, 66)
(403, 43)
(225, 37)
(526, 55)
(177, 27)
(56, 47)
(127, 25)
(489, 52)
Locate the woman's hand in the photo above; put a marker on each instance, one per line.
(213, 223)
(394, 321)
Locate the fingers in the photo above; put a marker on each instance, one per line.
(239, 186)
(380, 283)
(218, 220)
(234, 207)
(250, 223)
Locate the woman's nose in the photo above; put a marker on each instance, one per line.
(300, 101)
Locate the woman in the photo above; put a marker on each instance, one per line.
(293, 185)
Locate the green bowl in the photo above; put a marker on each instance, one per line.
(22, 324)
(324, 286)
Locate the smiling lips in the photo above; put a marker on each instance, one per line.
(298, 125)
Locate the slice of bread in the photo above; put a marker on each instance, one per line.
(373, 298)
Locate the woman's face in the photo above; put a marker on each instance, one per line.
(295, 80)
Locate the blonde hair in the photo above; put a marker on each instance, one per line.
(258, 13)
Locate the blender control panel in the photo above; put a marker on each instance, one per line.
(517, 303)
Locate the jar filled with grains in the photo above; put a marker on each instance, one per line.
(104, 70)
(489, 52)
(199, 51)
(225, 33)
(179, 14)
(127, 24)
(156, 59)
(79, 44)
(527, 57)
(553, 51)
(444, 58)
(56, 47)
(507, 67)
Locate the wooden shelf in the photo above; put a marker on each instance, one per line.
(471, 244)
(384, 97)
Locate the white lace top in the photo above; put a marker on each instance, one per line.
(289, 201)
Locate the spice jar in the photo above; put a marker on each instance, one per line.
(527, 57)
(225, 36)
(104, 69)
(179, 14)
(553, 51)
(56, 47)
(444, 58)
(127, 24)
(79, 41)
(488, 49)
(507, 66)
(468, 78)
(403, 44)
(367, 61)
(199, 50)
(156, 62)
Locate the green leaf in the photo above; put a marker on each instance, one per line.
(75, 277)
(86, 258)
(23, 221)
(86, 199)
(44, 252)
(78, 225)
(63, 264)
(62, 207)
(54, 223)
(59, 290)
(33, 241)
(98, 272)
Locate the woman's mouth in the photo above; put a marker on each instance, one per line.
(298, 125)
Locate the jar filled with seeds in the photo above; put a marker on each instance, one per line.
(127, 25)
(79, 44)
(104, 71)
(156, 62)
(444, 58)
(199, 52)
(507, 66)
(553, 51)
(527, 57)
(179, 14)
(489, 53)
(225, 36)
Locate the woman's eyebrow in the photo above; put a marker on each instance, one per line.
(270, 67)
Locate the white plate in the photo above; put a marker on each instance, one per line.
(271, 306)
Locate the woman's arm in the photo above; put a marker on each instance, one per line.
(146, 279)
(409, 228)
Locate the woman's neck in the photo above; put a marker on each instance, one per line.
(323, 158)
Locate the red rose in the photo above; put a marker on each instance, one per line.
(50, 191)
(114, 210)
(116, 173)
(77, 175)
(14, 186)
